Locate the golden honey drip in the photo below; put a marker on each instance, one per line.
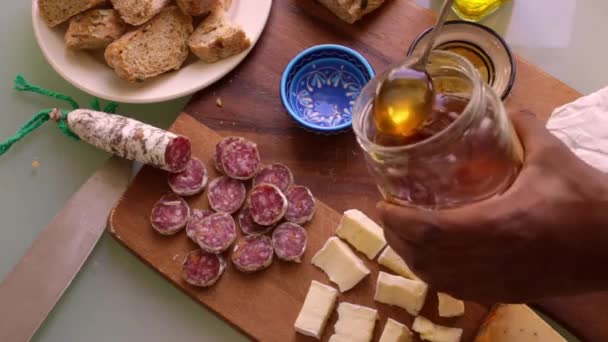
(402, 105)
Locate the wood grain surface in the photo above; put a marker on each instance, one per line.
(264, 306)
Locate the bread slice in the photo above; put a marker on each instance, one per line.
(218, 38)
(94, 29)
(351, 10)
(199, 7)
(55, 12)
(137, 12)
(152, 49)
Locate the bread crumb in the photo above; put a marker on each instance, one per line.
(219, 102)
(35, 164)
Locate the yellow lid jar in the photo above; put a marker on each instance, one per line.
(475, 10)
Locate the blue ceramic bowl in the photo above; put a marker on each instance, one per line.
(320, 86)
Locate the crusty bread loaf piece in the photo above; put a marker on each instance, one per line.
(351, 10)
(94, 29)
(55, 12)
(199, 7)
(152, 49)
(217, 38)
(137, 12)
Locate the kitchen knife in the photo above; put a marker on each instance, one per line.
(31, 290)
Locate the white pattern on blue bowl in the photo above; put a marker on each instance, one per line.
(321, 84)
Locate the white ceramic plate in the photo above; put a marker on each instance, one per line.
(89, 72)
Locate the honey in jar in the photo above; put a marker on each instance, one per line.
(466, 151)
(475, 10)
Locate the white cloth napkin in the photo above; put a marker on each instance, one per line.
(583, 126)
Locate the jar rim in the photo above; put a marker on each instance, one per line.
(464, 117)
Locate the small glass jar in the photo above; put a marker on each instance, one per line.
(475, 156)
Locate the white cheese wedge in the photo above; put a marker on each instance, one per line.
(355, 323)
(516, 323)
(432, 332)
(340, 264)
(362, 233)
(317, 308)
(405, 293)
(391, 260)
(449, 306)
(395, 332)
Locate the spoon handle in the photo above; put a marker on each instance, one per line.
(436, 30)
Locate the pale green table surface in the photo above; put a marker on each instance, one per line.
(116, 297)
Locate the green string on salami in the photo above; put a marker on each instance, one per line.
(45, 115)
(116, 134)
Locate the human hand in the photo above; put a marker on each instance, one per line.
(545, 236)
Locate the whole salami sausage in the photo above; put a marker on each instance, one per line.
(302, 205)
(219, 148)
(226, 195)
(240, 159)
(194, 224)
(252, 253)
(202, 269)
(191, 181)
(130, 138)
(248, 226)
(267, 204)
(289, 241)
(170, 214)
(216, 233)
(276, 174)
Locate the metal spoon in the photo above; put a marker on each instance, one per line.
(404, 100)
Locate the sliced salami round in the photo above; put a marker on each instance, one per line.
(252, 253)
(240, 159)
(219, 148)
(248, 226)
(302, 204)
(226, 195)
(191, 181)
(267, 204)
(289, 241)
(276, 174)
(170, 214)
(194, 224)
(203, 269)
(216, 233)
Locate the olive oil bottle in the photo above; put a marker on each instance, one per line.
(475, 10)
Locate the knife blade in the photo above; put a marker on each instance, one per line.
(31, 290)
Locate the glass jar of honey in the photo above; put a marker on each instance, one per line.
(466, 152)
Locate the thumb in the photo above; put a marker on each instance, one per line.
(531, 130)
(409, 224)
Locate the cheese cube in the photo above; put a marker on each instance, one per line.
(340, 264)
(391, 260)
(317, 308)
(432, 332)
(355, 323)
(362, 233)
(395, 332)
(402, 292)
(516, 323)
(449, 306)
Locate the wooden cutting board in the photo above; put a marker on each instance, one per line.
(264, 306)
